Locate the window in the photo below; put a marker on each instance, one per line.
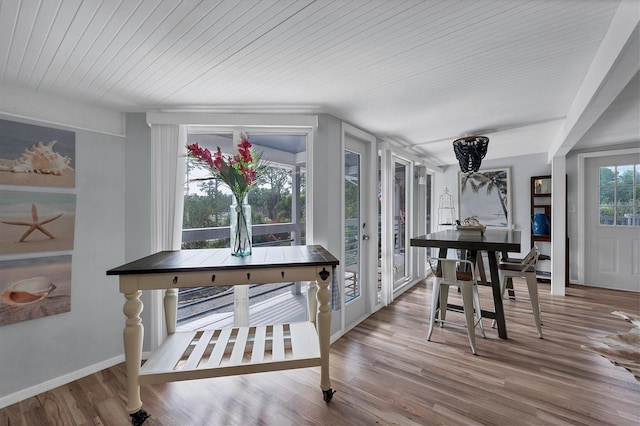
(619, 195)
(278, 214)
(278, 199)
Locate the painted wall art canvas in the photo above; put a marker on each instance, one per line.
(36, 156)
(34, 288)
(36, 221)
(486, 195)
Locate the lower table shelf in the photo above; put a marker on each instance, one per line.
(238, 350)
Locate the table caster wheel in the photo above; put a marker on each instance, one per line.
(139, 417)
(327, 395)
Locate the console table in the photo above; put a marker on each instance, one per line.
(238, 350)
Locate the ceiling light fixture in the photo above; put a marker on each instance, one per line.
(470, 150)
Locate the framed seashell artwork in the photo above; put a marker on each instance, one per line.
(36, 155)
(34, 288)
(36, 221)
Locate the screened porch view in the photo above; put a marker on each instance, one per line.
(278, 219)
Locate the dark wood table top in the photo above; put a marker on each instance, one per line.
(492, 240)
(221, 259)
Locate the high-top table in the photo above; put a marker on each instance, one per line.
(493, 241)
(238, 350)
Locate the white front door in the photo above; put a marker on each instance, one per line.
(359, 230)
(612, 236)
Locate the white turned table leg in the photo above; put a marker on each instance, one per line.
(171, 309)
(312, 302)
(133, 334)
(323, 324)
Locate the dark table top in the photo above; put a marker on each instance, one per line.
(221, 259)
(492, 240)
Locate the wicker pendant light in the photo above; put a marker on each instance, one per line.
(470, 150)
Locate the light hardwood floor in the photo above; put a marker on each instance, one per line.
(385, 372)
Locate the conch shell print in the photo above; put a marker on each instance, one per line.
(27, 291)
(42, 159)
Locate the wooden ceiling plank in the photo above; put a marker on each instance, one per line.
(80, 57)
(107, 25)
(19, 40)
(174, 72)
(82, 20)
(9, 13)
(57, 30)
(265, 53)
(232, 39)
(173, 42)
(143, 38)
(118, 39)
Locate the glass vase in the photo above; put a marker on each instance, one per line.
(240, 228)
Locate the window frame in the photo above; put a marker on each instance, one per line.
(615, 185)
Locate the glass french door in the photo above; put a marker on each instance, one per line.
(401, 207)
(357, 232)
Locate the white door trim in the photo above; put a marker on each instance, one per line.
(369, 215)
(581, 200)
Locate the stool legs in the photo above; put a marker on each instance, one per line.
(476, 306)
(471, 306)
(444, 300)
(532, 286)
(467, 303)
(435, 292)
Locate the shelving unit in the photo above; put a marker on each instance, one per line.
(541, 203)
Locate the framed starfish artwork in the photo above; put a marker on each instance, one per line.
(36, 221)
(36, 155)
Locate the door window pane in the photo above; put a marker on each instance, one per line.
(352, 225)
(619, 195)
(399, 223)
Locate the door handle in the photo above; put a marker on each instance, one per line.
(365, 238)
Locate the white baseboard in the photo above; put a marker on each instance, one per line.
(13, 398)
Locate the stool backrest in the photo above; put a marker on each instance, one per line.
(530, 259)
(453, 270)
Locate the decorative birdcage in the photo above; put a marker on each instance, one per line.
(446, 210)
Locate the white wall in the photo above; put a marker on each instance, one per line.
(40, 354)
(137, 200)
(327, 180)
(522, 168)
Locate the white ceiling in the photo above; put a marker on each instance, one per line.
(533, 75)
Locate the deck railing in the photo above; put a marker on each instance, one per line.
(198, 302)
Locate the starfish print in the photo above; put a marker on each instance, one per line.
(34, 224)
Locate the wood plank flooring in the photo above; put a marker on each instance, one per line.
(386, 373)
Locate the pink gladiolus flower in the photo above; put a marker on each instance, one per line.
(245, 144)
(202, 154)
(218, 160)
(246, 155)
(249, 175)
(239, 172)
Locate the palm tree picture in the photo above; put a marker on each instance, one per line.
(486, 196)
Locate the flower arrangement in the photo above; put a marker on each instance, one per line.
(239, 172)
